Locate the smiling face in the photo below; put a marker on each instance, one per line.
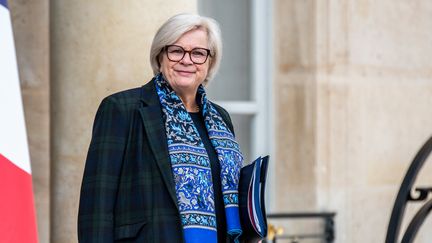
(185, 76)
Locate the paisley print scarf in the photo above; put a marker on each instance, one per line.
(191, 166)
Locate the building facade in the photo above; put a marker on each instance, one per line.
(338, 92)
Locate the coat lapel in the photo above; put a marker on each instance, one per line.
(151, 114)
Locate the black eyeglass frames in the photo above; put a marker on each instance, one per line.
(176, 53)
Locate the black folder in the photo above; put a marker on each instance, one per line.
(251, 200)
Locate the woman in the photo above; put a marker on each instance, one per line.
(163, 164)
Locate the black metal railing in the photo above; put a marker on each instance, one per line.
(406, 196)
(328, 234)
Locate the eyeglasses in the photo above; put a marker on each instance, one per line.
(197, 55)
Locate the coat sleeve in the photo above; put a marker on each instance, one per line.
(101, 173)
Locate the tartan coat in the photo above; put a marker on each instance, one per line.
(128, 192)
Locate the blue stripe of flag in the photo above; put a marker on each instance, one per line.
(4, 3)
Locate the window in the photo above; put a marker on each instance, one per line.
(243, 85)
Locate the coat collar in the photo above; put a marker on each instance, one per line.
(151, 114)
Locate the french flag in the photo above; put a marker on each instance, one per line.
(17, 210)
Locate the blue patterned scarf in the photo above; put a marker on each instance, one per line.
(191, 166)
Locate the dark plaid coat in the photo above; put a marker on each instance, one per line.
(128, 192)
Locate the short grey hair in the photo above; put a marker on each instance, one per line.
(177, 26)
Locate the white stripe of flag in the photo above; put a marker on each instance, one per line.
(17, 213)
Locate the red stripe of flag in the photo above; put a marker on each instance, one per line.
(17, 212)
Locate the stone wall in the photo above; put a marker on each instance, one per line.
(354, 85)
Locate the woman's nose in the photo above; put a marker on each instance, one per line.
(187, 60)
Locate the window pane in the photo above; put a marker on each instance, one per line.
(233, 82)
